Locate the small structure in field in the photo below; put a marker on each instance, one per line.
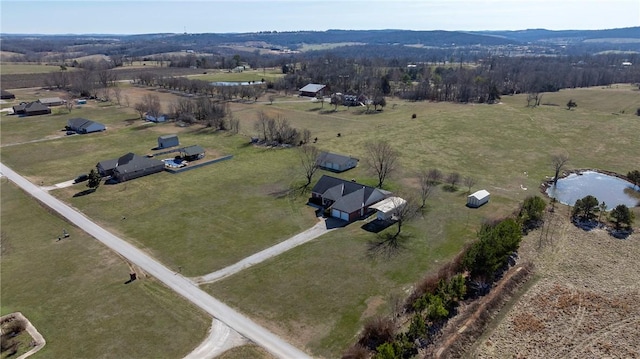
(83, 126)
(312, 90)
(192, 153)
(336, 162)
(478, 198)
(6, 95)
(167, 141)
(156, 119)
(52, 101)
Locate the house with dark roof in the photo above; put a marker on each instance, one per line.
(312, 90)
(6, 95)
(347, 200)
(129, 166)
(336, 162)
(83, 126)
(31, 109)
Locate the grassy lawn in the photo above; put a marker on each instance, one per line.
(269, 74)
(246, 351)
(73, 291)
(318, 295)
(8, 68)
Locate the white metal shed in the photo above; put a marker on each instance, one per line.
(389, 207)
(478, 198)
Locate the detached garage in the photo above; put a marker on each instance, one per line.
(389, 208)
(478, 198)
(167, 141)
(82, 125)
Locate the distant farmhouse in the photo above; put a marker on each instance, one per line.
(31, 109)
(312, 90)
(347, 200)
(83, 126)
(129, 166)
(167, 141)
(336, 162)
(52, 101)
(6, 95)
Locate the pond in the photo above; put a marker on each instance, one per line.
(610, 189)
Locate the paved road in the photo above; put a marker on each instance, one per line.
(316, 231)
(178, 283)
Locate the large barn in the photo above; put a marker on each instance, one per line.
(312, 90)
(346, 200)
(129, 166)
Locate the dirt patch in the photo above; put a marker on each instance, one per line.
(373, 304)
(586, 304)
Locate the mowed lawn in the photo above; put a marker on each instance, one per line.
(74, 291)
(8, 68)
(320, 294)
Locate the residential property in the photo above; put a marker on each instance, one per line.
(6, 95)
(31, 109)
(336, 162)
(167, 141)
(83, 126)
(192, 153)
(312, 90)
(389, 208)
(478, 198)
(347, 200)
(52, 101)
(129, 166)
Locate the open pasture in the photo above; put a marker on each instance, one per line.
(318, 295)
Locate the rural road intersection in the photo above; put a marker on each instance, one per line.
(183, 286)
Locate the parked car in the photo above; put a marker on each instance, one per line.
(81, 178)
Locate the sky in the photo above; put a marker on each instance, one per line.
(227, 16)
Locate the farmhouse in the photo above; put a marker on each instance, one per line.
(312, 90)
(336, 162)
(347, 200)
(52, 101)
(6, 95)
(389, 208)
(478, 198)
(192, 153)
(82, 125)
(31, 109)
(129, 166)
(167, 141)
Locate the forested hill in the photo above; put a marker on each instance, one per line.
(629, 34)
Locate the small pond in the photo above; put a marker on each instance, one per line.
(609, 189)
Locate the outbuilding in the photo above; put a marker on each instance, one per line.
(82, 126)
(31, 109)
(6, 95)
(52, 101)
(389, 208)
(336, 162)
(478, 198)
(167, 141)
(312, 90)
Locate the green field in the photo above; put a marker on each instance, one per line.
(8, 68)
(73, 291)
(247, 75)
(318, 295)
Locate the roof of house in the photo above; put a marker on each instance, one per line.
(35, 106)
(348, 196)
(20, 107)
(389, 204)
(6, 94)
(192, 150)
(132, 162)
(79, 124)
(312, 88)
(328, 157)
(479, 195)
(166, 137)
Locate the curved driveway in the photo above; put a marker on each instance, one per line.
(178, 283)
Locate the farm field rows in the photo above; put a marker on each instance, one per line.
(318, 295)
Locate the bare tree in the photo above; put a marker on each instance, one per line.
(309, 161)
(382, 159)
(152, 104)
(558, 162)
(427, 185)
(403, 211)
(469, 182)
(140, 109)
(453, 178)
(434, 176)
(234, 125)
(117, 93)
(271, 99)
(68, 103)
(127, 101)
